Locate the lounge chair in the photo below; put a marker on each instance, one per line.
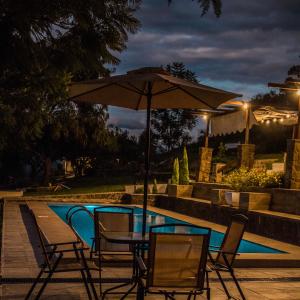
(176, 262)
(112, 254)
(61, 257)
(226, 254)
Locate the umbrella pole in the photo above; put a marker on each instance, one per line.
(147, 157)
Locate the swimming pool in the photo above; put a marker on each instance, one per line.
(84, 226)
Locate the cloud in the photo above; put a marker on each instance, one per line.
(252, 43)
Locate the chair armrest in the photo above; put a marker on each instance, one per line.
(141, 265)
(66, 250)
(61, 244)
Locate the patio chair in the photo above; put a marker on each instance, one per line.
(60, 258)
(112, 254)
(226, 254)
(176, 262)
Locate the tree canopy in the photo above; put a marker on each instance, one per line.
(171, 128)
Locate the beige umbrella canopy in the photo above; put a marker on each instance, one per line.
(131, 91)
(148, 88)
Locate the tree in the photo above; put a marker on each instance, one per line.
(184, 175)
(175, 174)
(171, 127)
(42, 48)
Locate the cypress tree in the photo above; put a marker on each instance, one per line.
(175, 174)
(184, 176)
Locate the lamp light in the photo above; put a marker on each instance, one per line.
(268, 122)
(205, 117)
(281, 120)
(298, 92)
(245, 106)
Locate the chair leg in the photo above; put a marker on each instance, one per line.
(208, 293)
(86, 284)
(39, 294)
(113, 288)
(223, 284)
(140, 292)
(49, 277)
(88, 273)
(237, 284)
(34, 284)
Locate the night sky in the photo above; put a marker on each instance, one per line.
(252, 43)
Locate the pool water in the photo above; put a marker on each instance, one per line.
(83, 224)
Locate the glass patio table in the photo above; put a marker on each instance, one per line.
(138, 242)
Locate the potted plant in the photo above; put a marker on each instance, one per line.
(243, 181)
(180, 186)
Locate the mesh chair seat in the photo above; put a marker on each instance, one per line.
(116, 256)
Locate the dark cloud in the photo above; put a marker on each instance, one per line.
(252, 43)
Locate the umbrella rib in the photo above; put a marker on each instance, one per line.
(91, 91)
(141, 96)
(170, 89)
(197, 98)
(133, 89)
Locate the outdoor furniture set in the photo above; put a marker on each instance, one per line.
(172, 259)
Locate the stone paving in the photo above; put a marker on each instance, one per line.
(19, 265)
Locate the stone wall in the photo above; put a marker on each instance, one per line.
(286, 201)
(205, 190)
(203, 172)
(292, 174)
(272, 226)
(246, 153)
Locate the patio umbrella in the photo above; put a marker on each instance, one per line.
(148, 88)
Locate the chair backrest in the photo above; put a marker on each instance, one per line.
(177, 259)
(232, 239)
(107, 218)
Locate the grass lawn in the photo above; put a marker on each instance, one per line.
(86, 185)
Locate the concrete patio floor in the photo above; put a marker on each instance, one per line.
(19, 267)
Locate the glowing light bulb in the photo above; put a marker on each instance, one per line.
(281, 120)
(262, 121)
(268, 122)
(205, 117)
(288, 116)
(298, 92)
(274, 120)
(245, 106)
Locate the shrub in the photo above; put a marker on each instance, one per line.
(243, 179)
(175, 174)
(155, 189)
(184, 176)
